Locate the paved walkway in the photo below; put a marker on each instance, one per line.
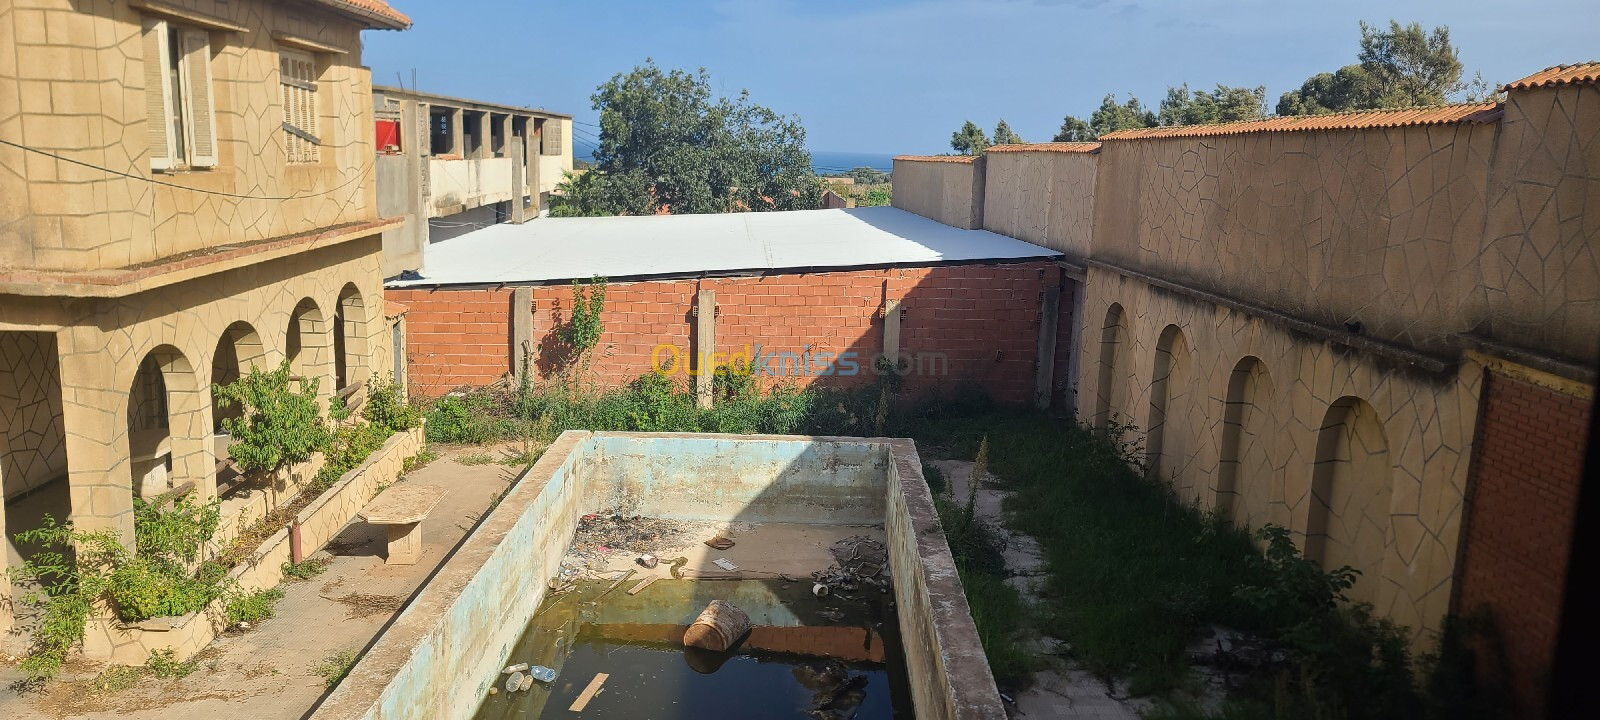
(1061, 689)
(267, 672)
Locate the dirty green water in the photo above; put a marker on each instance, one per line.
(830, 659)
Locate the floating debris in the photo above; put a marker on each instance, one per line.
(720, 543)
(725, 564)
(519, 667)
(718, 627)
(647, 560)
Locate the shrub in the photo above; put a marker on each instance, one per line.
(279, 425)
(385, 407)
(253, 607)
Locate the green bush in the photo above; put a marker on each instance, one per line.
(385, 407)
(253, 607)
(280, 425)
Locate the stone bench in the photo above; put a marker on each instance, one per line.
(401, 510)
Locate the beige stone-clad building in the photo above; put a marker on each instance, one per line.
(1377, 329)
(186, 191)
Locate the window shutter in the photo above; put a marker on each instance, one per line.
(157, 94)
(552, 136)
(202, 110)
(297, 74)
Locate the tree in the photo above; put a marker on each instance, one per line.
(1401, 67)
(969, 140)
(665, 142)
(1004, 136)
(1111, 117)
(1225, 104)
(868, 176)
(1074, 129)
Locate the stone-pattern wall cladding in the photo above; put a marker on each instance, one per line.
(983, 318)
(1045, 197)
(947, 188)
(33, 448)
(103, 342)
(1539, 268)
(74, 87)
(1364, 226)
(1294, 385)
(1527, 467)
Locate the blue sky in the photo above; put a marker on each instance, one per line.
(897, 76)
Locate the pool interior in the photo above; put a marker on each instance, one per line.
(834, 657)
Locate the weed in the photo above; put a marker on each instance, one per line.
(935, 478)
(419, 460)
(475, 459)
(307, 568)
(163, 663)
(253, 607)
(335, 666)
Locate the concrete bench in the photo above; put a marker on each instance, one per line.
(401, 510)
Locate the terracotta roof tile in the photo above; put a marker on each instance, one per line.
(1484, 112)
(1060, 147)
(377, 11)
(1579, 74)
(938, 158)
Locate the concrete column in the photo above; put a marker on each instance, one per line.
(416, 115)
(521, 330)
(458, 132)
(534, 180)
(705, 334)
(519, 167)
(1045, 368)
(891, 331)
(6, 600)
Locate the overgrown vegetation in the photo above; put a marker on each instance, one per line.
(335, 666)
(351, 443)
(307, 568)
(252, 607)
(280, 424)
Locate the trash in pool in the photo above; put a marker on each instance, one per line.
(589, 692)
(836, 692)
(642, 585)
(514, 682)
(647, 560)
(832, 615)
(818, 589)
(519, 667)
(677, 567)
(720, 543)
(541, 673)
(718, 627)
(725, 564)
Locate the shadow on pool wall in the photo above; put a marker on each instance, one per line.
(441, 655)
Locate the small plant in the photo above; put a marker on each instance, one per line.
(419, 460)
(583, 329)
(386, 408)
(280, 425)
(307, 568)
(335, 666)
(935, 478)
(163, 663)
(475, 459)
(253, 607)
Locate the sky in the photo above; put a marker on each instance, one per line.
(898, 76)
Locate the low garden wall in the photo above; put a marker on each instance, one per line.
(116, 642)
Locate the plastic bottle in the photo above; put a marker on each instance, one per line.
(541, 673)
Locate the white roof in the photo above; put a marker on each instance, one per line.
(551, 249)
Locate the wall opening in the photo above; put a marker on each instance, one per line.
(1245, 474)
(238, 350)
(33, 453)
(1111, 387)
(308, 346)
(441, 131)
(167, 434)
(1348, 519)
(1168, 450)
(349, 340)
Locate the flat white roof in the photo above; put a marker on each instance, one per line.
(556, 249)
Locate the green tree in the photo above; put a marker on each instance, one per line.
(969, 140)
(666, 142)
(1074, 129)
(868, 176)
(1004, 136)
(1399, 67)
(1111, 116)
(1225, 104)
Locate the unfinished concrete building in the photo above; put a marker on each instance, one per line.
(1377, 329)
(449, 166)
(186, 192)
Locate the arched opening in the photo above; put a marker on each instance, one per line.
(1168, 450)
(308, 346)
(1348, 520)
(1245, 474)
(1111, 387)
(166, 428)
(350, 350)
(238, 350)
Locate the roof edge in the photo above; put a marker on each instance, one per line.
(1584, 73)
(1455, 114)
(420, 94)
(1055, 147)
(959, 159)
(378, 14)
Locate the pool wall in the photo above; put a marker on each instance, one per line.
(439, 657)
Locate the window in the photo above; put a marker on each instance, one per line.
(178, 98)
(297, 74)
(550, 140)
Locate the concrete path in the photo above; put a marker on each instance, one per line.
(1061, 689)
(267, 672)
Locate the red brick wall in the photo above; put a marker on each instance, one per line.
(1527, 465)
(984, 318)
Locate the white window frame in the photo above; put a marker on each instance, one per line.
(297, 78)
(181, 96)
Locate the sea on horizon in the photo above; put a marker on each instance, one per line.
(826, 162)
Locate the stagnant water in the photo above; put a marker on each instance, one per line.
(829, 659)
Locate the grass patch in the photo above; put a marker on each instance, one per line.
(253, 607)
(164, 663)
(419, 460)
(335, 666)
(307, 568)
(475, 459)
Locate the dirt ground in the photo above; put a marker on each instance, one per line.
(268, 671)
